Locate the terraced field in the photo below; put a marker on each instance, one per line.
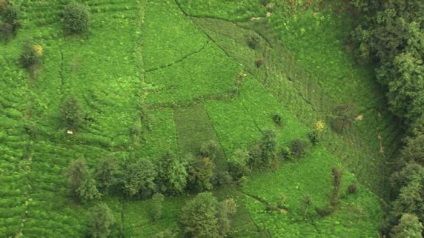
(189, 67)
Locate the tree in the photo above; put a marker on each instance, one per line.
(106, 173)
(298, 148)
(77, 173)
(172, 174)
(210, 149)
(409, 227)
(29, 56)
(139, 177)
(88, 190)
(237, 164)
(199, 217)
(411, 199)
(225, 210)
(76, 18)
(410, 172)
(101, 220)
(414, 150)
(71, 112)
(205, 217)
(267, 145)
(200, 174)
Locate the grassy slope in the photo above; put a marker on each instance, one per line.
(108, 76)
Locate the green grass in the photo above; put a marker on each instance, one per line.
(206, 73)
(193, 129)
(167, 34)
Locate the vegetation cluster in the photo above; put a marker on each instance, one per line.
(390, 35)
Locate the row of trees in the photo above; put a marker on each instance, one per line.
(169, 174)
(390, 35)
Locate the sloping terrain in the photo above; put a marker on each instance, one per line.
(190, 68)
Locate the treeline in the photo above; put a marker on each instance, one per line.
(390, 35)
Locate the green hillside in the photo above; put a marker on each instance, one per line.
(155, 77)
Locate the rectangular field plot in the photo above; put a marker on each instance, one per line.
(194, 128)
(167, 34)
(206, 73)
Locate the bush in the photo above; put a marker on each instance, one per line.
(313, 137)
(76, 18)
(277, 119)
(253, 41)
(298, 148)
(259, 63)
(352, 188)
(10, 15)
(29, 56)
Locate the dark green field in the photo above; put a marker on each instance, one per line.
(189, 67)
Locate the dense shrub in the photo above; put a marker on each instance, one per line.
(30, 57)
(352, 188)
(76, 18)
(259, 63)
(298, 148)
(277, 119)
(10, 14)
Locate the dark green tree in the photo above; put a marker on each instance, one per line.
(409, 227)
(411, 199)
(172, 174)
(76, 18)
(139, 177)
(199, 217)
(88, 190)
(77, 173)
(71, 113)
(101, 221)
(268, 145)
(238, 164)
(200, 174)
(107, 172)
(210, 149)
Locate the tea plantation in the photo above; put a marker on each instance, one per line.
(200, 85)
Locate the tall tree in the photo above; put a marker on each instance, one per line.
(409, 227)
(139, 177)
(199, 217)
(172, 174)
(106, 174)
(101, 221)
(77, 173)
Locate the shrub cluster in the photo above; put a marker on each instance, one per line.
(9, 24)
(76, 18)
